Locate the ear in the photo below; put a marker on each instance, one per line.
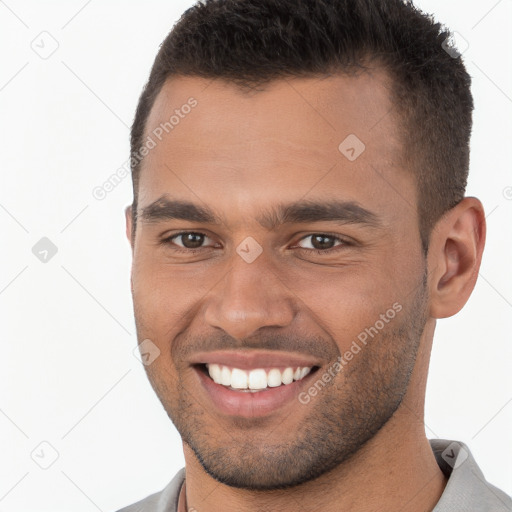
(129, 224)
(455, 253)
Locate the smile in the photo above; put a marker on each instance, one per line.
(257, 379)
(252, 383)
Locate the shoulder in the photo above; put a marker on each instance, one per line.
(163, 501)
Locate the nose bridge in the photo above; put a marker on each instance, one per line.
(250, 296)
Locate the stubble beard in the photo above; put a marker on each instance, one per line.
(342, 418)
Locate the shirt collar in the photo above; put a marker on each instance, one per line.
(466, 488)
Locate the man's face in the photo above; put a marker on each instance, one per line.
(310, 261)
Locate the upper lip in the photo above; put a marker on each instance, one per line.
(251, 359)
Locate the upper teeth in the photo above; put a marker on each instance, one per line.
(255, 379)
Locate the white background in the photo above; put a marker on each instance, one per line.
(68, 375)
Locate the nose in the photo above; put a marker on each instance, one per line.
(249, 297)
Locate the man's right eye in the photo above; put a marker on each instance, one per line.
(188, 240)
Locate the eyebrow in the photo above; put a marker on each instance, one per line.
(343, 212)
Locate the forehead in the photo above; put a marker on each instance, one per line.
(291, 139)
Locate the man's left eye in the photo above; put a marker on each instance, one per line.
(321, 241)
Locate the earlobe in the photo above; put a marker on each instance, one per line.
(457, 245)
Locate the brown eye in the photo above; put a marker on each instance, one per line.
(320, 241)
(189, 240)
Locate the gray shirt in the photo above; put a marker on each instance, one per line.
(466, 490)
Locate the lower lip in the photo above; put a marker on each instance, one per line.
(250, 404)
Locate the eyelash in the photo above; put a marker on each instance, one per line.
(343, 241)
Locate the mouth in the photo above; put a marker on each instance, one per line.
(255, 380)
(253, 384)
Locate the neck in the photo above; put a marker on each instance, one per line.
(395, 470)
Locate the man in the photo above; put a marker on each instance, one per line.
(298, 226)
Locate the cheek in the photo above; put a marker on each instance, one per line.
(155, 303)
(157, 293)
(166, 299)
(157, 319)
(346, 302)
